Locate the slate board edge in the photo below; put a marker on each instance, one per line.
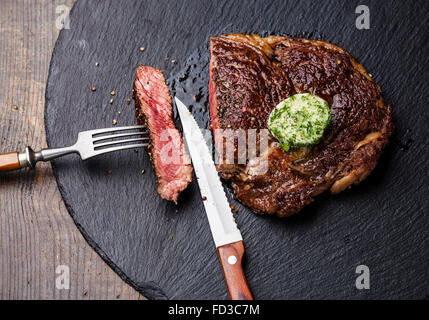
(149, 290)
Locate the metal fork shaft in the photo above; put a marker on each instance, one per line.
(51, 154)
(29, 158)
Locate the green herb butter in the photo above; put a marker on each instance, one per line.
(299, 121)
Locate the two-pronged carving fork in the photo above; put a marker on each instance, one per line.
(89, 144)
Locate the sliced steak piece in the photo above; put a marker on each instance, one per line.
(153, 109)
(250, 75)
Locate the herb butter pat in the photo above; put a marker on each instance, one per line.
(299, 121)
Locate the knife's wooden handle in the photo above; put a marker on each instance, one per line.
(9, 161)
(231, 257)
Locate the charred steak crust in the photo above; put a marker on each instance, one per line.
(169, 158)
(250, 75)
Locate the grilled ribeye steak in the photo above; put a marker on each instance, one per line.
(153, 109)
(250, 75)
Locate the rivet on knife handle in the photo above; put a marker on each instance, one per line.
(231, 257)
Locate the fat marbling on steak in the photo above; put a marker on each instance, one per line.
(250, 75)
(153, 109)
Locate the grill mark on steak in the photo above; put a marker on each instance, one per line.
(168, 155)
(250, 75)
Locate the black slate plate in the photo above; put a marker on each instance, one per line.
(382, 223)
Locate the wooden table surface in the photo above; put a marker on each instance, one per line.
(36, 232)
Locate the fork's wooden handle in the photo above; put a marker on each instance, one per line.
(231, 257)
(9, 161)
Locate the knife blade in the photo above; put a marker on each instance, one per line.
(226, 235)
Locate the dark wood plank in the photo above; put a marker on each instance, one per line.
(36, 232)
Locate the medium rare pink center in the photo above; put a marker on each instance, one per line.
(170, 160)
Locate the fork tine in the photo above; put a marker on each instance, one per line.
(113, 136)
(108, 130)
(112, 143)
(128, 146)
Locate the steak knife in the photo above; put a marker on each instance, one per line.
(226, 235)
